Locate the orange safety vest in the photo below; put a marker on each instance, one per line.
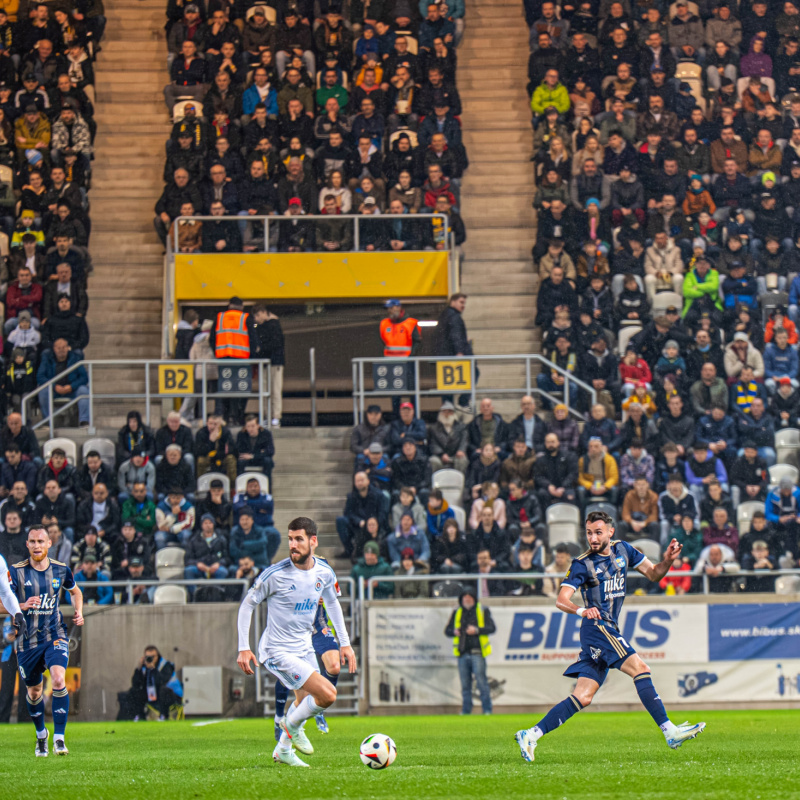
(232, 339)
(397, 337)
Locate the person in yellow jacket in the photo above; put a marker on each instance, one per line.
(598, 475)
(470, 626)
(550, 92)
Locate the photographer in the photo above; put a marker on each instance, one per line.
(154, 685)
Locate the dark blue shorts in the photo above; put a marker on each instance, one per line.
(324, 642)
(602, 648)
(33, 663)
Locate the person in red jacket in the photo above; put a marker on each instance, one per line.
(23, 294)
(632, 370)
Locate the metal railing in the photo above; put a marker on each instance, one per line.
(130, 584)
(366, 586)
(360, 391)
(99, 384)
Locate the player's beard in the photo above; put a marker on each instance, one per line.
(300, 558)
(40, 558)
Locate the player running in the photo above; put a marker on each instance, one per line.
(38, 581)
(600, 575)
(323, 640)
(293, 588)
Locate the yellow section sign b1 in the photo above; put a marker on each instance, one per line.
(452, 376)
(175, 379)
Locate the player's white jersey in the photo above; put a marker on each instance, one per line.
(7, 597)
(292, 597)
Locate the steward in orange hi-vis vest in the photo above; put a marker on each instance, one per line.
(232, 339)
(400, 334)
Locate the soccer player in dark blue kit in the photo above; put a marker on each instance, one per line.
(37, 582)
(327, 649)
(600, 575)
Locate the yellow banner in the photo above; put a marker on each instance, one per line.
(308, 276)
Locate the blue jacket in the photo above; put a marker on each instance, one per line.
(709, 430)
(251, 98)
(693, 480)
(417, 431)
(47, 370)
(24, 471)
(430, 125)
(761, 431)
(794, 292)
(261, 506)
(455, 9)
(105, 594)
(253, 545)
(772, 507)
(778, 363)
(436, 521)
(428, 31)
(418, 542)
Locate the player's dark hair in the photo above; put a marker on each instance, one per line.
(304, 524)
(600, 516)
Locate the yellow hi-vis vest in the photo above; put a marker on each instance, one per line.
(486, 648)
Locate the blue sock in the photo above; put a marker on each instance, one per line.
(60, 709)
(36, 710)
(559, 714)
(650, 699)
(334, 679)
(281, 696)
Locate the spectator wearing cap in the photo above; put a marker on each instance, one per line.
(172, 470)
(377, 466)
(25, 336)
(31, 94)
(217, 504)
(136, 469)
(790, 168)
(701, 292)
(407, 427)
(206, 553)
(141, 509)
(372, 430)
(188, 27)
(130, 544)
(175, 518)
(247, 539)
(741, 352)
(71, 131)
(719, 429)
(784, 405)
(702, 467)
(372, 565)
(448, 441)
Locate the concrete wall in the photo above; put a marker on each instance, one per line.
(114, 638)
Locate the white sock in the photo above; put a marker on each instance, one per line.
(58, 738)
(277, 719)
(536, 733)
(42, 735)
(298, 714)
(668, 728)
(285, 742)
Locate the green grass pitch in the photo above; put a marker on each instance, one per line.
(742, 754)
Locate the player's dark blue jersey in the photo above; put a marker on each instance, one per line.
(611, 572)
(321, 620)
(45, 624)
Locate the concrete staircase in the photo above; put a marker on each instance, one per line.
(125, 290)
(313, 474)
(497, 190)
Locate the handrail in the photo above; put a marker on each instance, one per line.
(360, 391)
(130, 583)
(478, 577)
(263, 377)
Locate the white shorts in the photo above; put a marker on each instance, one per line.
(292, 670)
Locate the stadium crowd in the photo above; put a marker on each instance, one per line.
(305, 108)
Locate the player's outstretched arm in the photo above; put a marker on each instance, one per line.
(655, 572)
(246, 609)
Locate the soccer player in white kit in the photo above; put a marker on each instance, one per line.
(9, 600)
(292, 589)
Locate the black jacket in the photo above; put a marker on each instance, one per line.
(220, 512)
(269, 341)
(125, 551)
(415, 473)
(211, 551)
(358, 508)
(559, 470)
(165, 437)
(451, 334)
(84, 481)
(26, 439)
(168, 476)
(110, 523)
(529, 503)
(204, 447)
(474, 434)
(516, 430)
(63, 510)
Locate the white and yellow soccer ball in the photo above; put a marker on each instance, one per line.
(378, 751)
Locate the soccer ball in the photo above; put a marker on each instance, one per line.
(378, 751)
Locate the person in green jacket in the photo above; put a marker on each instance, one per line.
(689, 537)
(550, 92)
(701, 290)
(140, 509)
(370, 565)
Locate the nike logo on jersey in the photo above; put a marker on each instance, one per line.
(306, 606)
(614, 587)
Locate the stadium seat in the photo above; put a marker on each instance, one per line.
(178, 109)
(663, 300)
(269, 13)
(787, 441)
(605, 507)
(105, 447)
(67, 445)
(204, 481)
(169, 563)
(563, 512)
(741, 85)
(744, 514)
(650, 548)
(412, 136)
(451, 482)
(447, 589)
(787, 584)
(779, 471)
(461, 517)
(3, 245)
(241, 481)
(565, 532)
(169, 595)
(625, 335)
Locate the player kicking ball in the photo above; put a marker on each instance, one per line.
(323, 640)
(44, 644)
(293, 588)
(600, 574)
